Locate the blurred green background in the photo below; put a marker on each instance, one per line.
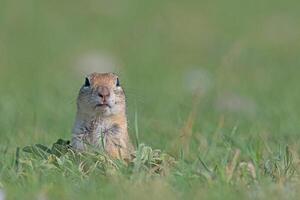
(241, 57)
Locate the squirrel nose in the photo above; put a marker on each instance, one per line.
(104, 93)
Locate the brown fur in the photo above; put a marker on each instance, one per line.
(94, 124)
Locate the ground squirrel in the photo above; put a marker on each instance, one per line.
(101, 116)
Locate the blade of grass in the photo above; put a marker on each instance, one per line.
(136, 127)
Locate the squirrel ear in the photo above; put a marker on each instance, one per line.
(118, 82)
(87, 83)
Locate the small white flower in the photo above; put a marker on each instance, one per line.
(2, 195)
(198, 80)
(236, 104)
(96, 62)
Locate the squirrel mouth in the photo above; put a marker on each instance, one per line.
(102, 105)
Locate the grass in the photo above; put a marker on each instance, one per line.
(212, 94)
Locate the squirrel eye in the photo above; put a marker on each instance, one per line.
(87, 83)
(118, 82)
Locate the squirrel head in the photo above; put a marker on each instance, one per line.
(101, 95)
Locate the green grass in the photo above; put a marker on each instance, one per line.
(214, 85)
